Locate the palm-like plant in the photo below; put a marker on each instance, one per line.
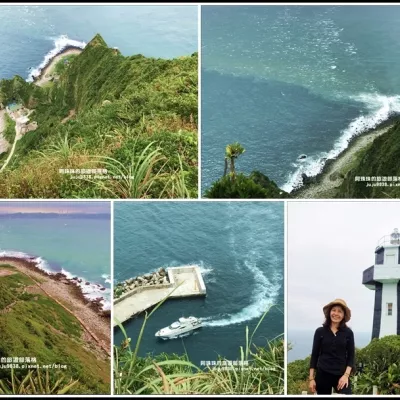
(232, 152)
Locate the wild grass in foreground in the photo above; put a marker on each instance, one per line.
(174, 374)
(36, 382)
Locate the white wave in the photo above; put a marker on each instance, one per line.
(60, 43)
(107, 278)
(91, 291)
(380, 109)
(67, 274)
(265, 294)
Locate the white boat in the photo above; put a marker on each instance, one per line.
(179, 328)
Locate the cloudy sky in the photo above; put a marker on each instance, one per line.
(330, 244)
(71, 207)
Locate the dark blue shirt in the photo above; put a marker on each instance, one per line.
(331, 352)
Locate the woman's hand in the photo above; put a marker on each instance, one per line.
(312, 386)
(343, 382)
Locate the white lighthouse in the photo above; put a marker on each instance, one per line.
(384, 278)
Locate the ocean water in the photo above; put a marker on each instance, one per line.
(239, 248)
(292, 80)
(76, 245)
(29, 34)
(301, 342)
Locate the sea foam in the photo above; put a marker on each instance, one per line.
(60, 43)
(264, 295)
(91, 291)
(379, 107)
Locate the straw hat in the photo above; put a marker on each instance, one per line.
(339, 302)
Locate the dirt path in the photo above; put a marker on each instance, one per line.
(96, 327)
(322, 188)
(18, 135)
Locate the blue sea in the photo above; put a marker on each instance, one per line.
(239, 248)
(30, 34)
(76, 245)
(290, 80)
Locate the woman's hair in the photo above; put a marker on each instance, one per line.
(328, 321)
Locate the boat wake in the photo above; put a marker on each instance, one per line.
(265, 294)
(60, 43)
(380, 108)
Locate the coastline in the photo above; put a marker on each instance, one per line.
(330, 178)
(67, 293)
(42, 77)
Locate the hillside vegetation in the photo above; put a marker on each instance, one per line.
(379, 363)
(239, 186)
(379, 159)
(134, 116)
(34, 326)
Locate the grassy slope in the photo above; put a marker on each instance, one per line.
(122, 105)
(379, 159)
(38, 327)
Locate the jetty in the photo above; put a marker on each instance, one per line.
(138, 294)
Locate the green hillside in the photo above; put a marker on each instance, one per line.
(139, 112)
(380, 159)
(32, 325)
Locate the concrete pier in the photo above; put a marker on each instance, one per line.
(187, 281)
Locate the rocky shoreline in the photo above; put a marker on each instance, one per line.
(328, 171)
(95, 304)
(159, 277)
(44, 69)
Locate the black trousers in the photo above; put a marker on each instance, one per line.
(325, 382)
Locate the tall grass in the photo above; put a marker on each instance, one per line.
(36, 382)
(173, 374)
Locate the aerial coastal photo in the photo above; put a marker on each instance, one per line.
(300, 101)
(198, 298)
(98, 101)
(55, 298)
(343, 287)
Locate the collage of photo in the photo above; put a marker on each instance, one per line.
(199, 200)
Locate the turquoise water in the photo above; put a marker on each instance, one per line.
(76, 245)
(29, 33)
(291, 80)
(239, 248)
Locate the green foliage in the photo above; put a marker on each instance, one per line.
(9, 132)
(33, 325)
(297, 376)
(175, 374)
(382, 352)
(381, 368)
(106, 105)
(381, 159)
(256, 186)
(63, 64)
(36, 382)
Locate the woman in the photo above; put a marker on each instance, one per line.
(332, 356)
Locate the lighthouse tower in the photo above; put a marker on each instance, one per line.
(384, 278)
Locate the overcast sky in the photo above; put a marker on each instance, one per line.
(72, 207)
(330, 244)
